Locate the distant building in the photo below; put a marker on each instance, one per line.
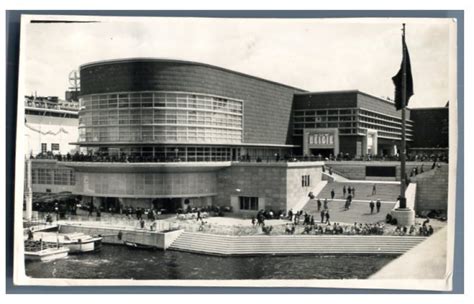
(431, 134)
(51, 124)
(347, 122)
(72, 95)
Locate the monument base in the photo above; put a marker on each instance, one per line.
(405, 216)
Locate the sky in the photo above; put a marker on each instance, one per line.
(311, 54)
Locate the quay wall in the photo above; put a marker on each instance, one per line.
(224, 245)
(110, 235)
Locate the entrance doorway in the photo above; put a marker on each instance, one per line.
(111, 204)
(323, 152)
(167, 205)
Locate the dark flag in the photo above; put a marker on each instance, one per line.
(398, 79)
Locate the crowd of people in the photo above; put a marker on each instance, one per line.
(337, 228)
(360, 229)
(423, 230)
(99, 156)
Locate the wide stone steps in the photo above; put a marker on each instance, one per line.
(294, 244)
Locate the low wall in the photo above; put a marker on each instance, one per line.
(110, 235)
(432, 189)
(328, 178)
(356, 169)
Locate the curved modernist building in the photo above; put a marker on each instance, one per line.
(169, 109)
(186, 121)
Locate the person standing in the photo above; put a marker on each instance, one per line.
(349, 190)
(344, 191)
(323, 213)
(319, 204)
(374, 190)
(327, 217)
(325, 203)
(30, 234)
(378, 205)
(371, 205)
(332, 194)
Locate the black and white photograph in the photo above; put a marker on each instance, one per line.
(260, 152)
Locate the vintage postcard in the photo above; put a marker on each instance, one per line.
(236, 152)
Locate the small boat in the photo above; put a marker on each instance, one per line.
(76, 242)
(139, 246)
(44, 252)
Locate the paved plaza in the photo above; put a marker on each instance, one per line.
(385, 191)
(359, 211)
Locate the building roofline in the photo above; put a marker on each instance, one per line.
(430, 108)
(391, 102)
(169, 60)
(327, 92)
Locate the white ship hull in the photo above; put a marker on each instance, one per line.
(74, 242)
(46, 255)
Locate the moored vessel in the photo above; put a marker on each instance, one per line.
(76, 242)
(44, 252)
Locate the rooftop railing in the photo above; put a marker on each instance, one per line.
(124, 158)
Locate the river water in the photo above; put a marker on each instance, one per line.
(120, 262)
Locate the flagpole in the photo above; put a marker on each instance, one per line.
(403, 203)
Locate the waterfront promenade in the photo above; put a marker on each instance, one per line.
(227, 236)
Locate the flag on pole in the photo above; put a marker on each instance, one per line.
(398, 79)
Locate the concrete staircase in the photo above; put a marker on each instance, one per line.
(292, 244)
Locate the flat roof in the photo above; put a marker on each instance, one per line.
(427, 108)
(391, 102)
(168, 60)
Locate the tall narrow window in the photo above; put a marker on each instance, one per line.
(305, 181)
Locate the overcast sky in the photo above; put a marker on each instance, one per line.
(311, 54)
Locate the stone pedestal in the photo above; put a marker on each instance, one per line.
(405, 216)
